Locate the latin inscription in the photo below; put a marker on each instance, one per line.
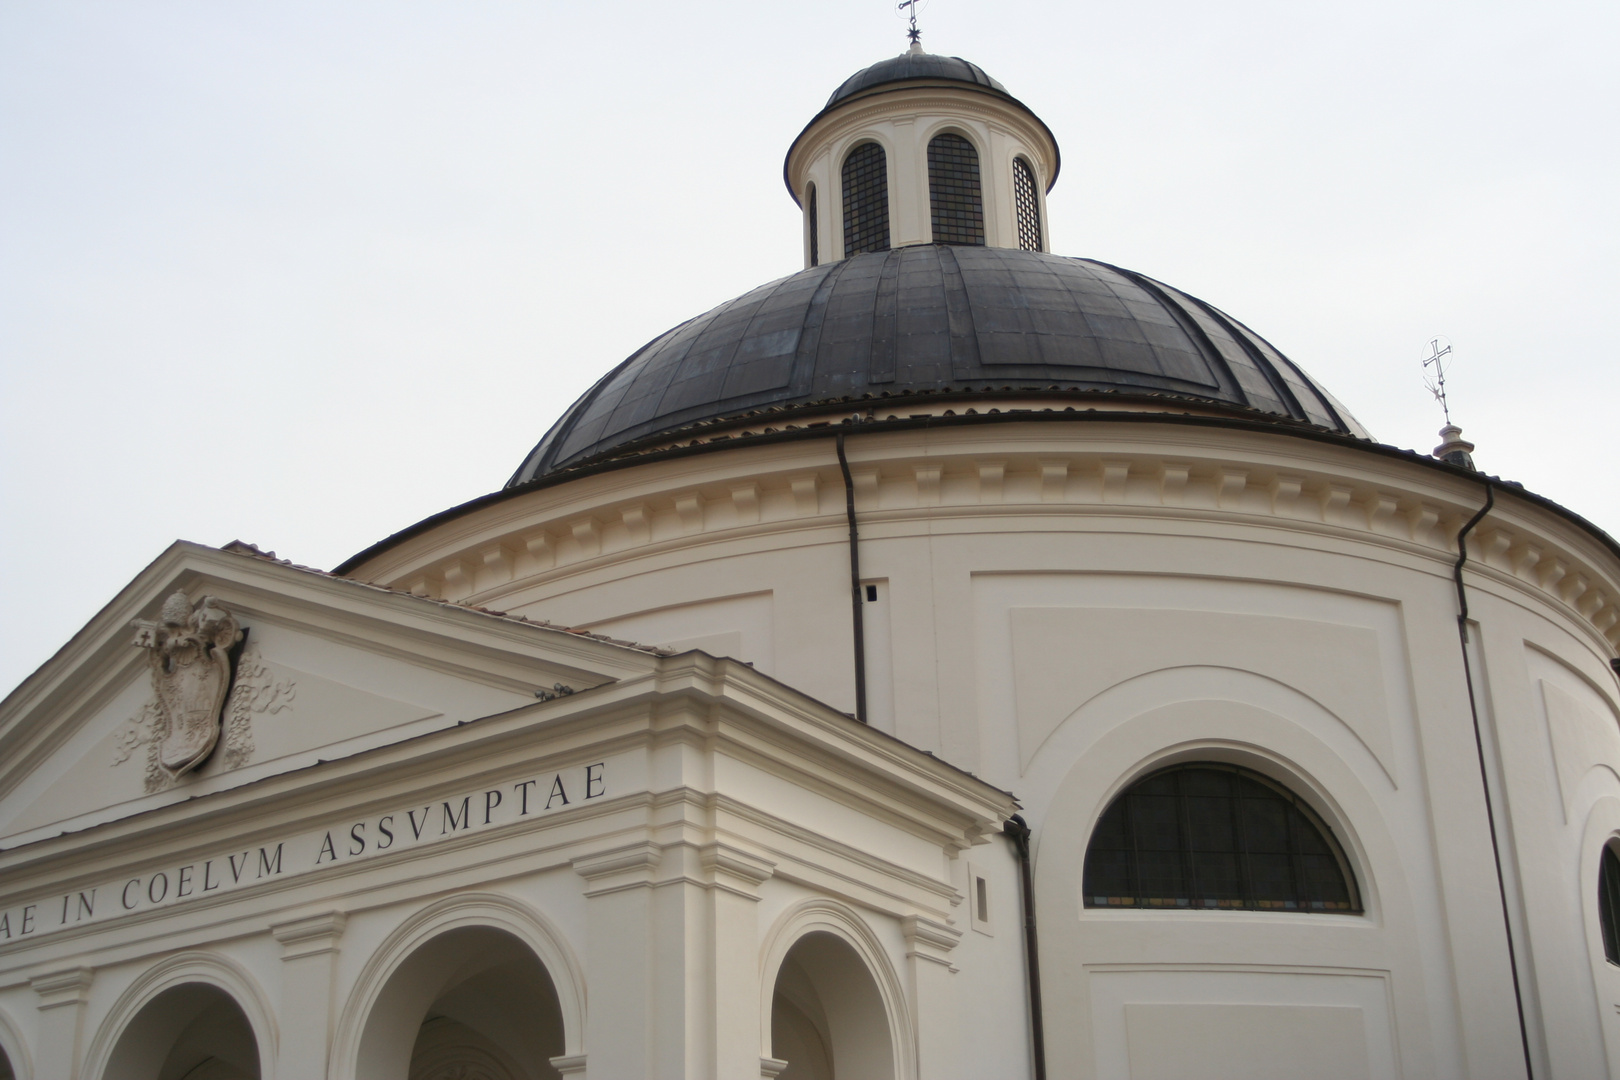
(493, 807)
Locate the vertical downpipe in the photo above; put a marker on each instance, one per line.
(856, 611)
(1017, 831)
(1484, 771)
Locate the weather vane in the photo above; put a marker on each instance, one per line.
(910, 6)
(1436, 381)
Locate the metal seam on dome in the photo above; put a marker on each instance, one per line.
(736, 347)
(1190, 325)
(1261, 362)
(888, 289)
(807, 357)
(542, 451)
(1321, 395)
(955, 287)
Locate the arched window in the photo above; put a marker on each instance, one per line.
(955, 203)
(1209, 835)
(815, 246)
(1609, 903)
(1029, 205)
(866, 200)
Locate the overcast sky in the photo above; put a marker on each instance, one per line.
(305, 273)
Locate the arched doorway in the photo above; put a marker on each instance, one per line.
(193, 1031)
(827, 1015)
(473, 1003)
(6, 1071)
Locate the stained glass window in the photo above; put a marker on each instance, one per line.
(815, 247)
(1029, 206)
(955, 203)
(866, 200)
(1215, 836)
(1609, 904)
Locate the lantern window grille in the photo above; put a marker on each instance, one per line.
(815, 246)
(1029, 206)
(955, 201)
(866, 200)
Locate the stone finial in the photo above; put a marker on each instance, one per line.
(1455, 449)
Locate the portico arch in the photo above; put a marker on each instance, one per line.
(833, 1006)
(195, 1015)
(478, 984)
(13, 1054)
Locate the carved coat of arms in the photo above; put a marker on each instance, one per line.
(189, 651)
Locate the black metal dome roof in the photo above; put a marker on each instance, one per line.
(935, 320)
(913, 65)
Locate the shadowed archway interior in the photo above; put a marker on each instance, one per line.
(473, 1003)
(190, 1032)
(827, 1015)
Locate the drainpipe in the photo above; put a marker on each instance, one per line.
(856, 611)
(1484, 772)
(1018, 832)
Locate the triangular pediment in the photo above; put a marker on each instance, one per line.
(327, 668)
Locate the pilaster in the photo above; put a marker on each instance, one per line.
(309, 949)
(63, 996)
(933, 993)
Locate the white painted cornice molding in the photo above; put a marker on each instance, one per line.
(1084, 476)
(722, 706)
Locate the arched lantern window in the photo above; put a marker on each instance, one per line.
(1210, 835)
(1028, 204)
(815, 246)
(955, 202)
(866, 200)
(1609, 903)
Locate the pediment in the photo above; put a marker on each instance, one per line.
(326, 668)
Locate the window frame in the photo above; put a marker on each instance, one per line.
(933, 193)
(1250, 904)
(1028, 169)
(1609, 902)
(850, 223)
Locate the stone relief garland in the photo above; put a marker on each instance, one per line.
(257, 691)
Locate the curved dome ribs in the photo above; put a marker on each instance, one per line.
(933, 319)
(909, 65)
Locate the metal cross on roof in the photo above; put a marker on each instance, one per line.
(1437, 381)
(912, 32)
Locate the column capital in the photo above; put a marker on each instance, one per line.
(736, 870)
(927, 939)
(627, 867)
(70, 986)
(311, 935)
(569, 1065)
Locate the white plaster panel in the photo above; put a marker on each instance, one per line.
(734, 626)
(1584, 737)
(1063, 657)
(1257, 1042)
(1213, 1024)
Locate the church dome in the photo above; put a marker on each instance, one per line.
(936, 322)
(913, 65)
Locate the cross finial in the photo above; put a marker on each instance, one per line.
(1436, 382)
(911, 31)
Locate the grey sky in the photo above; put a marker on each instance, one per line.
(305, 273)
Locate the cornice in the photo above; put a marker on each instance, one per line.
(902, 97)
(755, 497)
(835, 124)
